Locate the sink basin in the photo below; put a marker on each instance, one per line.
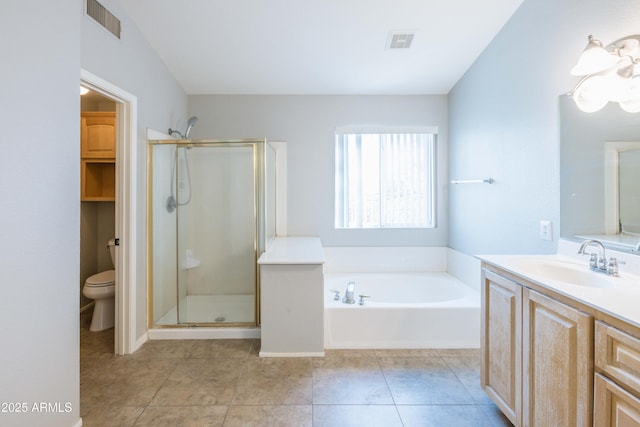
(567, 272)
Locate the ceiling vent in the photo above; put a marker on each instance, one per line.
(103, 17)
(400, 39)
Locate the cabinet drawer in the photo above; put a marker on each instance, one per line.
(618, 355)
(614, 406)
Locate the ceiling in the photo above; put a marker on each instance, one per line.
(318, 46)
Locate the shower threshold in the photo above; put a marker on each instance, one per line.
(212, 309)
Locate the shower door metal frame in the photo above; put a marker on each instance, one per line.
(259, 171)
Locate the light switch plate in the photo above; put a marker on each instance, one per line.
(546, 230)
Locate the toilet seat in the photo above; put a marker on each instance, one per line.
(104, 278)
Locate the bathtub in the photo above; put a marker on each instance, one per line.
(407, 308)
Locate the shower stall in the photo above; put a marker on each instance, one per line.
(212, 213)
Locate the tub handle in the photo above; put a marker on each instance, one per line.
(336, 294)
(362, 297)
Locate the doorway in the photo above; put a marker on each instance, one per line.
(97, 214)
(125, 209)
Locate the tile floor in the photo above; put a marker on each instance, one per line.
(225, 383)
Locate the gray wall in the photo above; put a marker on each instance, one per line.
(307, 124)
(132, 65)
(504, 122)
(46, 46)
(40, 215)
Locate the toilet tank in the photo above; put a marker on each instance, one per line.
(112, 250)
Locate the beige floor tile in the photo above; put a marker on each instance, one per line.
(407, 352)
(330, 354)
(467, 369)
(269, 416)
(183, 416)
(423, 381)
(496, 416)
(345, 364)
(124, 392)
(443, 415)
(194, 391)
(109, 416)
(162, 349)
(261, 390)
(225, 383)
(220, 369)
(365, 389)
(280, 367)
(227, 348)
(356, 416)
(459, 352)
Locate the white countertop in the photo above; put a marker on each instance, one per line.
(293, 250)
(621, 300)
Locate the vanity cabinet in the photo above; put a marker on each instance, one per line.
(537, 354)
(501, 337)
(617, 381)
(98, 156)
(557, 384)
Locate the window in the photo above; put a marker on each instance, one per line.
(385, 179)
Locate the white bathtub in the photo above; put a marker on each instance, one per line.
(407, 309)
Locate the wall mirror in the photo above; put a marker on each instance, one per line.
(600, 175)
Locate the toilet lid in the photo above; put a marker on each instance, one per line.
(102, 279)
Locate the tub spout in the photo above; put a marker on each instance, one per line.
(348, 294)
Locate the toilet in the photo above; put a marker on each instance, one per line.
(101, 287)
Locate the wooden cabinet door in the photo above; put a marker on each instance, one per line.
(557, 363)
(614, 406)
(98, 135)
(501, 337)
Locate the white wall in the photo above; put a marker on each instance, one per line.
(131, 64)
(504, 122)
(307, 124)
(40, 215)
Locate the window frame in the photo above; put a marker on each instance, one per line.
(431, 175)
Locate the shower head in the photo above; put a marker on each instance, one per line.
(190, 124)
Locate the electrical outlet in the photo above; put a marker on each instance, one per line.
(546, 230)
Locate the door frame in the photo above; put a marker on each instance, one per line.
(126, 208)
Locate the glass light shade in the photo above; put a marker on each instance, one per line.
(594, 60)
(83, 90)
(593, 94)
(630, 101)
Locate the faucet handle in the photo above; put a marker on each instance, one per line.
(593, 261)
(612, 266)
(336, 294)
(362, 297)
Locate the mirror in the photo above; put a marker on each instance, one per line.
(600, 175)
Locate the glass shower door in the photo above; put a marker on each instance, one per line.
(216, 219)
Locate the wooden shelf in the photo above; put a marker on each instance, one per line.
(98, 180)
(98, 156)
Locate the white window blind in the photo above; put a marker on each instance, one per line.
(385, 180)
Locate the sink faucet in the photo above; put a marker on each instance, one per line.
(348, 294)
(599, 262)
(595, 262)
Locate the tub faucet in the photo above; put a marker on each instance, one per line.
(596, 262)
(348, 294)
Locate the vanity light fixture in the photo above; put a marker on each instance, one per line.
(608, 73)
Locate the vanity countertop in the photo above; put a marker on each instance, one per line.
(616, 296)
